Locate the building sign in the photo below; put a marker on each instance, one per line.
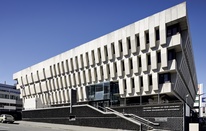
(162, 108)
(161, 119)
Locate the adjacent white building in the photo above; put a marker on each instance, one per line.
(9, 99)
(147, 62)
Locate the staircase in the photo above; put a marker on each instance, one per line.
(143, 123)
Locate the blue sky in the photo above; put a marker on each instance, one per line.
(34, 30)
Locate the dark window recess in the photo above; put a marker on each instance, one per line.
(158, 57)
(115, 67)
(99, 51)
(108, 68)
(132, 82)
(157, 34)
(120, 45)
(173, 30)
(137, 40)
(122, 62)
(163, 78)
(150, 80)
(131, 64)
(93, 56)
(113, 49)
(105, 49)
(171, 54)
(125, 84)
(147, 37)
(129, 43)
(148, 59)
(141, 81)
(140, 62)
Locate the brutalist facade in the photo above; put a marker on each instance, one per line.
(146, 69)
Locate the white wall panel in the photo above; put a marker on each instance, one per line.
(152, 32)
(38, 88)
(110, 52)
(88, 76)
(133, 44)
(142, 36)
(73, 79)
(154, 60)
(125, 47)
(162, 28)
(112, 70)
(67, 95)
(127, 66)
(103, 53)
(78, 82)
(71, 67)
(57, 69)
(144, 62)
(62, 96)
(145, 83)
(27, 91)
(48, 73)
(35, 77)
(93, 73)
(155, 81)
(86, 59)
(56, 83)
(97, 56)
(60, 84)
(135, 63)
(64, 84)
(84, 92)
(24, 80)
(164, 57)
(32, 89)
(117, 49)
(80, 61)
(99, 73)
(52, 84)
(129, 85)
(83, 80)
(137, 84)
(76, 64)
(106, 71)
(44, 86)
(119, 68)
(121, 86)
(62, 70)
(79, 91)
(68, 80)
(29, 78)
(91, 58)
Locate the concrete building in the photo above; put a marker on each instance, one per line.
(147, 64)
(10, 102)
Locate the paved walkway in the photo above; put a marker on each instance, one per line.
(65, 127)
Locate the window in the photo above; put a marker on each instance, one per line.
(140, 62)
(158, 57)
(171, 54)
(113, 49)
(99, 52)
(131, 64)
(93, 56)
(173, 30)
(150, 80)
(105, 50)
(120, 45)
(157, 34)
(125, 84)
(147, 37)
(122, 63)
(148, 59)
(164, 78)
(115, 67)
(129, 43)
(81, 60)
(87, 58)
(137, 40)
(141, 81)
(132, 82)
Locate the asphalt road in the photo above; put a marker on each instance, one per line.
(36, 126)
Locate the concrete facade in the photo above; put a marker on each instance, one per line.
(151, 58)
